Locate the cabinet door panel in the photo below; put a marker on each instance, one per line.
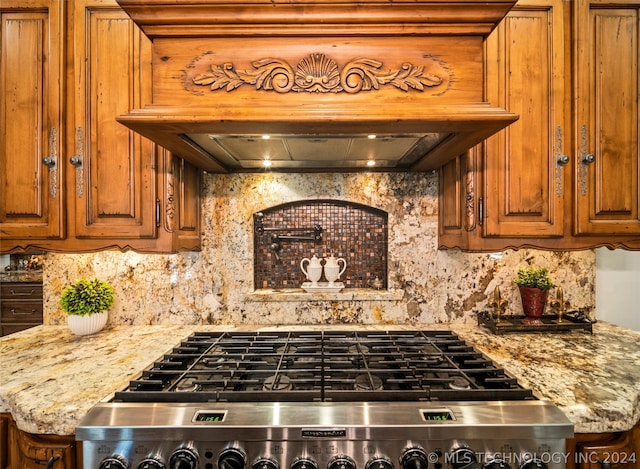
(115, 186)
(525, 74)
(31, 196)
(28, 451)
(608, 127)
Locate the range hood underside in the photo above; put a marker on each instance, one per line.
(415, 143)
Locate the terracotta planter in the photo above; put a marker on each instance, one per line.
(86, 325)
(533, 303)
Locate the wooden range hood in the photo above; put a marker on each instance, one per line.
(321, 78)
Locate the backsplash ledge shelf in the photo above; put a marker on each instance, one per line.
(350, 294)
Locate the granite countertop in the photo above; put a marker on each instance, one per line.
(50, 378)
(20, 276)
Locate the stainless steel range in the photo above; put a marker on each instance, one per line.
(324, 400)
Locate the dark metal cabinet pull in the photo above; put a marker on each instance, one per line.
(52, 460)
(15, 293)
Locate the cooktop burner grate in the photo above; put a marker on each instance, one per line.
(322, 366)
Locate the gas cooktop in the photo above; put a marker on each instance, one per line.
(323, 366)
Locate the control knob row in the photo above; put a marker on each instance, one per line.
(232, 458)
(459, 458)
(181, 458)
(337, 462)
(531, 464)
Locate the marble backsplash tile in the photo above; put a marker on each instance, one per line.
(215, 286)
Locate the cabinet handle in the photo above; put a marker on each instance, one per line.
(585, 156)
(561, 161)
(52, 460)
(15, 293)
(50, 162)
(17, 313)
(586, 159)
(76, 160)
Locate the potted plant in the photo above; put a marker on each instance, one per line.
(86, 303)
(534, 284)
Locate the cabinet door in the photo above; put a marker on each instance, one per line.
(4, 439)
(31, 130)
(114, 180)
(28, 451)
(525, 179)
(612, 451)
(607, 125)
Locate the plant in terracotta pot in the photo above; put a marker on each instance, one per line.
(534, 284)
(86, 303)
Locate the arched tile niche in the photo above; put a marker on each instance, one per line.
(355, 232)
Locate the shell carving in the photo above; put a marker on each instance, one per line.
(318, 73)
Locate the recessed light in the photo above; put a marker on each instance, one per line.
(371, 163)
(371, 136)
(266, 163)
(266, 137)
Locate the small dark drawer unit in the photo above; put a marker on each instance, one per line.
(21, 306)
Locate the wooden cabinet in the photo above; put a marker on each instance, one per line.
(533, 184)
(607, 125)
(114, 193)
(527, 73)
(20, 306)
(120, 190)
(605, 450)
(4, 439)
(31, 119)
(26, 451)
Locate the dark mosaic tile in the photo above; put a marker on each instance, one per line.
(357, 233)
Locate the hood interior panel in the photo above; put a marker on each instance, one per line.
(317, 151)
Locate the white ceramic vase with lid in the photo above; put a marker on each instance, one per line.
(332, 270)
(313, 271)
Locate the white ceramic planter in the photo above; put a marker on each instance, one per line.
(85, 325)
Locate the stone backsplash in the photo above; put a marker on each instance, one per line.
(216, 285)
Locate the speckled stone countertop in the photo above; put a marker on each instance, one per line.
(50, 378)
(21, 276)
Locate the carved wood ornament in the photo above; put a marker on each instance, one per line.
(318, 73)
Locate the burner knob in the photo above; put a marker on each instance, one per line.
(304, 463)
(534, 464)
(379, 463)
(497, 464)
(464, 458)
(114, 462)
(184, 458)
(151, 463)
(232, 458)
(414, 458)
(341, 462)
(265, 463)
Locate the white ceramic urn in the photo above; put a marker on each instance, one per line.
(332, 269)
(313, 270)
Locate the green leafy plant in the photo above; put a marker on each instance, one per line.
(534, 277)
(86, 297)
